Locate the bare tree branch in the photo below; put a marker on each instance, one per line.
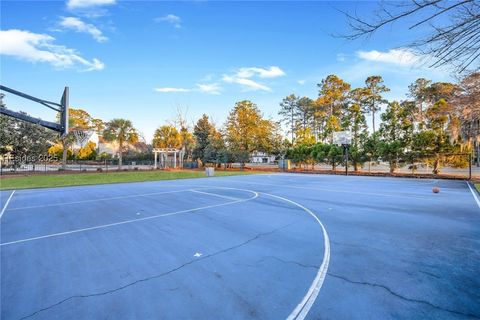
(455, 43)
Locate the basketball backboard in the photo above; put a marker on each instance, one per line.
(342, 138)
(61, 108)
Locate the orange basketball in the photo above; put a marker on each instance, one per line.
(435, 189)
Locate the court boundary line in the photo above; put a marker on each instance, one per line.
(6, 204)
(302, 309)
(474, 194)
(255, 195)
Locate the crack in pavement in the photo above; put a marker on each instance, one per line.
(290, 262)
(158, 275)
(402, 297)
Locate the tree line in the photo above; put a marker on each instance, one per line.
(436, 122)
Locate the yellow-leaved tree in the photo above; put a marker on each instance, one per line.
(247, 131)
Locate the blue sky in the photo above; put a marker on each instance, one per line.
(143, 60)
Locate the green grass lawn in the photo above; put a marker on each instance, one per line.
(477, 185)
(78, 179)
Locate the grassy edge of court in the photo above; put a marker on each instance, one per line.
(82, 179)
(477, 185)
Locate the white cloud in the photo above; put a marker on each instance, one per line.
(271, 72)
(301, 82)
(36, 47)
(74, 4)
(243, 77)
(210, 88)
(170, 89)
(170, 18)
(78, 25)
(248, 84)
(402, 57)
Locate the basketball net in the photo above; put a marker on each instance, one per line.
(82, 136)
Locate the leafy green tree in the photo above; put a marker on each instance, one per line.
(334, 155)
(373, 100)
(122, 132)
(371, 147)
(216, 151)
(354, 121)
(247, 131)
(203, 132)
(395, 132)
(419, 91)
(288, 111)
(305, 111)
(167, 136)
(301, 154)
(327, 153)
(436, 140)
(24, 141)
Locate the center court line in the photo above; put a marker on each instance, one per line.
(255, 195)
(214, 194)
(99, 199)
(474, 194)
(6, 204)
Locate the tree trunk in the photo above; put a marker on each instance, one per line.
(64, 154)
(355, 166)
(393, 166)
(292, 127)
(436, 166)
(120, 155)
(478, 154)
(373, 120)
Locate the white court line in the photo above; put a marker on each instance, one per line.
(6, 204)
(474, 194)
(99, 199)
(214, 194)
(129, 221)
(302, 309)
(333, 190)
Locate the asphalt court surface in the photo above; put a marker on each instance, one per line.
(275, 246)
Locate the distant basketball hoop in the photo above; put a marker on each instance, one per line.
(343, 138)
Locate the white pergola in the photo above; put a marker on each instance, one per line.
(164, 153)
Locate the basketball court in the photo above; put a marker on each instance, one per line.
(276, 246)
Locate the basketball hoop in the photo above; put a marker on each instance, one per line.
(342, 138)
(82, 136)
